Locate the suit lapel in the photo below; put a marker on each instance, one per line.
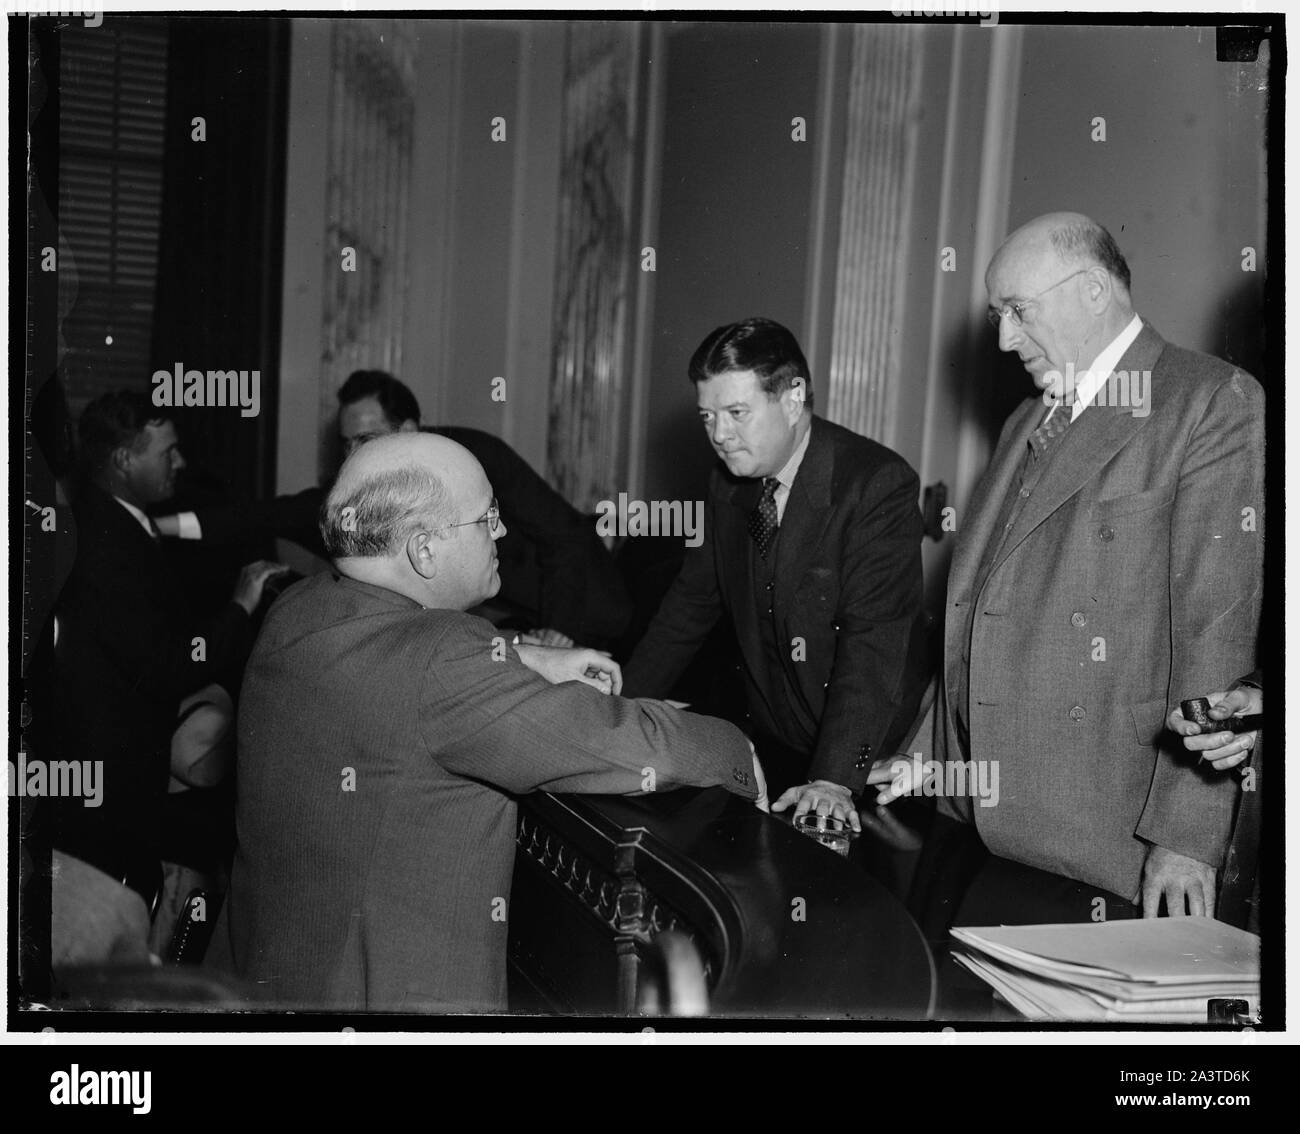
(985, 503)
(806, 512)
(1100, 433)
(733, 540)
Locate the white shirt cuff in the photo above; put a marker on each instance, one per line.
(189, 525)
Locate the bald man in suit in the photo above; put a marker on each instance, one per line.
(1108, 565)
(382, 733)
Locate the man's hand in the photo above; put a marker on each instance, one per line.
(248, 591)
(1223, 750)
(544, 637)
(823, 797)
(899, 775)
(1186, 884)
(592, 667)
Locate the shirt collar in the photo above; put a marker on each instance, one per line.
(1088, 382)
(140, 517)
(787, 474)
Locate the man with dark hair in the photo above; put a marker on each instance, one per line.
(812, 545)
(382, 733)
(1109, 565)
(556, 575)
(124, 650)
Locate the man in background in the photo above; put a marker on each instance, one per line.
(557, 578)
(124, 650)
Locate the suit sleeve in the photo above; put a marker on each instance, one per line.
(499, 722)
(1215, 593)
(144, 641)
(687, 614)
(295, 518)
(880, 602)
(554, 527)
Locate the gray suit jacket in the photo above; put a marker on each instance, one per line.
(377, 744)
(1131, 580)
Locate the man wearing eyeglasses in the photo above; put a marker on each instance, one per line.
(382, 733)
(1109, 564)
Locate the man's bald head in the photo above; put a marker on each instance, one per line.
(412, 512)
(1066, 241)
(389, 488)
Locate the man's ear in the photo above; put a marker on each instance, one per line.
(798, 395)
(420, 554)
(1101, 289)
(410, 425)
(120, 460)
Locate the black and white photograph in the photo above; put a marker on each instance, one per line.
(630, 521)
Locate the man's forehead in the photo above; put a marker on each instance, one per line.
(1018, 272)
(731, 387)
(160, 433)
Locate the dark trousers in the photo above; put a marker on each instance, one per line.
(959, 882)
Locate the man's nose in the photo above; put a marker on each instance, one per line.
(1008, 332)
(720, 430)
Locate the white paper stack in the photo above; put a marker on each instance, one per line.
(1152, 970)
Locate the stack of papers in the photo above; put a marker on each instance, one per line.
(1153, 970)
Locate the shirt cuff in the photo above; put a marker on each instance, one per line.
(188, 525)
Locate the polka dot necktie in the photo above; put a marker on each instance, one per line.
(762, 520)
(1049, 432)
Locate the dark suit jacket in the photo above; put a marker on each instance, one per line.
(848, 583)
(377, 744)
(1131, 580)
(124, 658)
(552, 563)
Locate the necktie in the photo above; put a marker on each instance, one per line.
(762, 520)
(1050, 431)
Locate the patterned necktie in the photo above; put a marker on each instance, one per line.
(762, 520)
(1050, 431)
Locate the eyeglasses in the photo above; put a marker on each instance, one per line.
(1017, 310)
(492, 517)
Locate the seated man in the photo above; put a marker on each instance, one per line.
(380, 731)
(555, 573)
(125, 650)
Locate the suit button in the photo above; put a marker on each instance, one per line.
(769, 610)
(739, 776)
(1024, 494)
(1077, 714)
(826, 684)
(1077, 619)
(859, 765)
(770, 586)
(835, 626)
(1107, 533)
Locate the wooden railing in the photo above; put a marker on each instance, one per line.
(782, 927)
